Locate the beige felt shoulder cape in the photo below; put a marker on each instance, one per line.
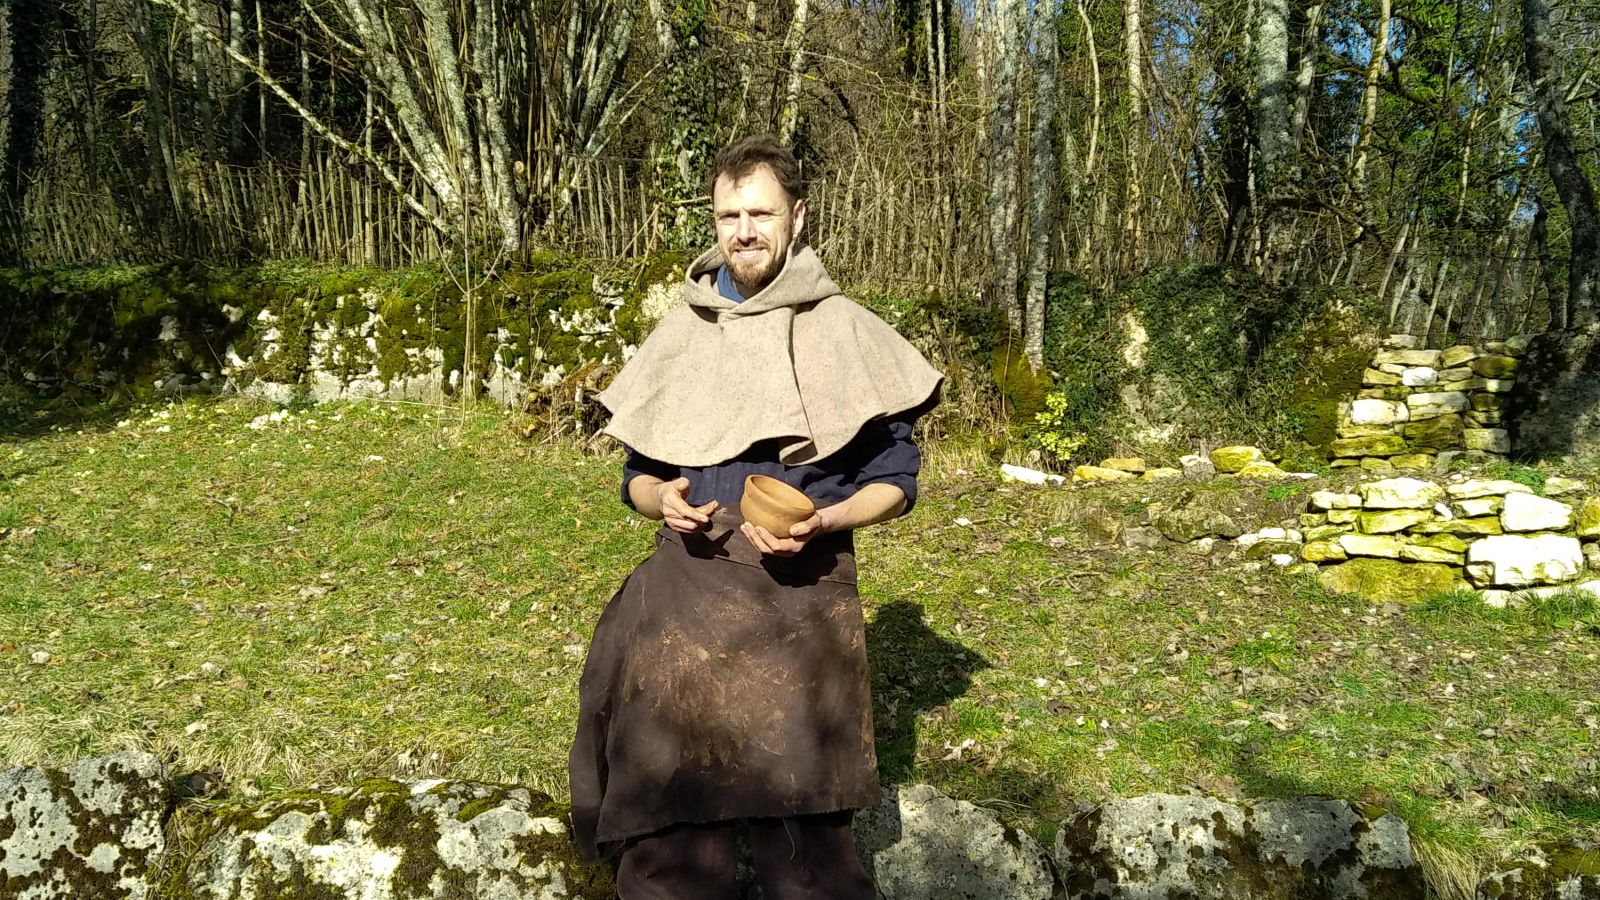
(798, 362)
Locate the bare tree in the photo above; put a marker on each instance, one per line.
(1043, 181)
(797, 55)
(1566, 175)
(1003, 212)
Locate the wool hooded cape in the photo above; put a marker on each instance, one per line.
(798, 362)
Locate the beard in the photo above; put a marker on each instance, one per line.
(757, 275)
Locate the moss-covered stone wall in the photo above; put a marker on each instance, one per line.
(288, 329)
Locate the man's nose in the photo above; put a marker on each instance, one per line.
(747, 228)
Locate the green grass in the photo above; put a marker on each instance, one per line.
(396, 590)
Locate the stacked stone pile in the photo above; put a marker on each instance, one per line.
(1422, 407)
(1400, 538)
(1240, 462)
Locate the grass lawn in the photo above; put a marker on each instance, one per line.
(397, 590)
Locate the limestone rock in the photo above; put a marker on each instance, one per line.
(1378, 412)
(1499, 385)
(1388, 581)
(1589, 518)
(1591, 556)
(1326, 532)
(1323, 551)
(1557, 486)
(1262, 470)
(1381, 546)
(1470, 490)
(1517, 345)
(1495, 366)
(1554, 407)
(93, 829)
(1439, 403)
(921, 845)
(1389, 521)
(1343, 516)
(1376, 445)
(1163, 847)
(1401, 342)
(384, 840)
(1091, 474)
(1161, 474)
(1485, 419)
(1198, 468)
(1356, 431)
(1526, 512)
(1378, 466)
(1335, 500)
(1442, 541)
(1552, 872)
(1482, 506)
(1131, 464)
(1193, 523)
(1269, 548)
(1462, 527)
(1232, 459)
(1452, 459)
(1412, 461)
(1458, 355)
(1590, 589)
(1379, 378)
(1400, 493)
(1487, 402)
(1489, 440)
(1424, 553)
(1429, 358)
(1460, 373)
(1384, 393)
(1312, 520)
(1419, 376)
(1515, 560)
(1437, 433)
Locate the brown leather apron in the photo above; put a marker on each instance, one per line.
(721, 684)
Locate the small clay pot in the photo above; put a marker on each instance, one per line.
(774, 505)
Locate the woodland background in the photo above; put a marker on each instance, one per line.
(1436, 156)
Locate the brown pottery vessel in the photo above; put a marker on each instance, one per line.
(773, 505)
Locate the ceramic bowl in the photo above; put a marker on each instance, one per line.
(774, 505)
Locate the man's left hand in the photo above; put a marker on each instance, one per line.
(799, 536)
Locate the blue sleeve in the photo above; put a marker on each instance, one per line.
(889, 456)
(638, 464)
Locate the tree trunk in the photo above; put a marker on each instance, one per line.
(1369, 104)
(236, 79)
(1133, 46)
(1003, 161)
(1272, 118)
(797, 55)
(1043, 187)
(28, 25)
(1566, 176)
(1307, 77)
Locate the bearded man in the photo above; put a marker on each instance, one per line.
(727, 679)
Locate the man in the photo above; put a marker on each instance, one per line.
(727, 679)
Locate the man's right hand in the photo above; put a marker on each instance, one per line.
(673, 497)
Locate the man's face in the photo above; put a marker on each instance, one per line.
(756, 222)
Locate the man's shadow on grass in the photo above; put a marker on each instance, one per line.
(914, 670)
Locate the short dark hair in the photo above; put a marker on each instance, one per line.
(743, 156)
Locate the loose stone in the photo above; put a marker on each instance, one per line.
(1526, 512)
(1400, 493)
(1335, 500)
(1232, 459)
(1391, 521)
(1521, 560)
(1489, 440)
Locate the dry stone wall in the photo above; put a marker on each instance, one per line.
(1397, 539)
(1418, 408)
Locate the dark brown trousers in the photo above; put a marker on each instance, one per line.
(800, 858)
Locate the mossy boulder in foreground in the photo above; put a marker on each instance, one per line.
(1307, 848)
(385, 840)
(92, 829)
